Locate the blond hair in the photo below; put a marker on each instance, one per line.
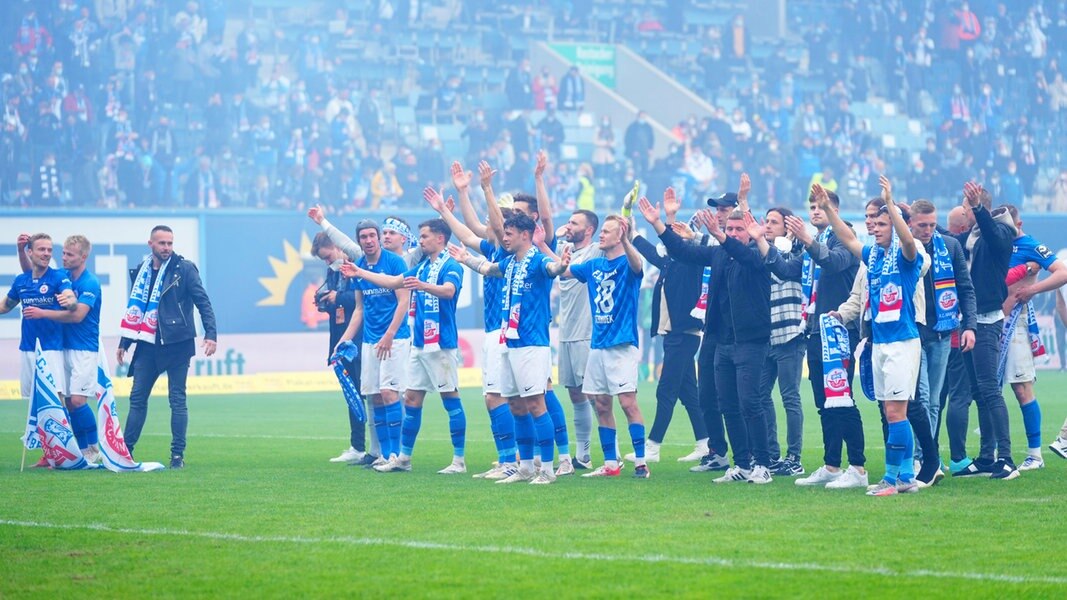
(81, 242)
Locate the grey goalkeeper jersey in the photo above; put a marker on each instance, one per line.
(575, 315)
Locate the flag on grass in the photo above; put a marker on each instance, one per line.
(51, 421)
(112, 445)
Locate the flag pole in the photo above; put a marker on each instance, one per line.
(22, 467)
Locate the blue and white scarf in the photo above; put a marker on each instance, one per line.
(142, 310)
(349, 352)
(809, 279)
(514, 284)
(701, 309)
(1037, 348)
(883, 268)
(431, 305)
(835, 360)
(947, 301)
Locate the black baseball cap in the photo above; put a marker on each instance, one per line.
(727, 200)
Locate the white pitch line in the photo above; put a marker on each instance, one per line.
(710, 561)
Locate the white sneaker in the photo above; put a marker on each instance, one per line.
(1059, 447)
(566, 467)
(1032, 463)
(486, 474)
(379, 461)
(760, 475)
(394, 465)
(698, 452)
(847, 479)
(350, 456)
(518, 476)
(92, 455)
(821, 477)
(651, 453)
(458, 466)
(543, 478)
(502, 471)
(733, 474)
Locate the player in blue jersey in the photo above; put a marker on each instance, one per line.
(1020, 370)
(501, 421)
(81, 341)
(433, 362)
(614, 283)
(39, 289)
(894, 269)
(527, 364)
(381, 312)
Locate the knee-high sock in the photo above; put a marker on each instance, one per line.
(607, 443)
(381, 426)
(637, 434)
(394, 418)
(907, 463)
(896, 441)
(410, 431)
(543, 431)
(1032, 424)
(524, 436)
(583, 428)
(457, 424)
(502, 422)
(559, 421)
(83, 422)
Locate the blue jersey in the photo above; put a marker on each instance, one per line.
(379, 303)
(1026, 249)
(492, 288)
(85, 335)
(40, 292)
(452, 273)
(535, 312)
(613, 292)
(892, 297)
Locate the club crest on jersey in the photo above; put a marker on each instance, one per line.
(947, 300)
(837, 380)
(44, 288)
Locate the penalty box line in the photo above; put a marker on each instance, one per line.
(706, 561)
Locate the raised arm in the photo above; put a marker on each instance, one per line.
(496, 218)
(756, 231)
(648, 251)
(907, 240)
(24, 260)
(342, 241)
(561, 267)
(393, 282)
(651, 213)
(632, 255)
(544, 203)
(462, 181)
(478, 264)
(461, 231)
(844, 233)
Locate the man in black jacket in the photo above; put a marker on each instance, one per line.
(988, 245)
(739, 316)
(169, 348)
(673, 300)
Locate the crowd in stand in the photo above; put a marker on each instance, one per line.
(175, 103)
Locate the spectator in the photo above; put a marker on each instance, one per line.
(202, 187)
(638, 142)
(552, 133)
(544, 90)
(370, 118)
(519, 86)
(572, 91)
(385, 189)
(603, 157)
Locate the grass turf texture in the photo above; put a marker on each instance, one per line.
(259, 510)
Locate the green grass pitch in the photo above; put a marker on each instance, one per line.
(260, 512)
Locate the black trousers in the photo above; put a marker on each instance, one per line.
(738, 369)
(839, 425)
(709, 398)
(678, 381)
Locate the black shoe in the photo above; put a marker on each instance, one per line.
(790, 467)
(177, 461)
(776, 463)
(974, 469)
(1004, 469)
(711, 462)
(582, 464)
(365, 462)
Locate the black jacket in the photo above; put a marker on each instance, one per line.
(736, 270)
(182, 289)
(838, 268)
(682, 282)
(964, 288)
(341, 310)
(989, 258)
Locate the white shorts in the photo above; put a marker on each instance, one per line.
(895, 367)
(376, 375)
(612, 371)
(573, 357)
(80, 372)
(525, 371)
(54, 358)
(492, 363)
(436, 371)
(1020, 366)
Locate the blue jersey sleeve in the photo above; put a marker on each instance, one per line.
(542, 267)
(413, 271)
(486, 248)
(12, 294)
(1039, 253)
(90, 294)
(582, 271)
(451, 273)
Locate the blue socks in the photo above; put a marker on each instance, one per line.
(559, 421)
(607, 442)
(502, 423)
(457, 423)
(382, 429)
(524, 436)
(637, 434)
(410, 431)
(895, 447)
(83, 422)
(1032, 424)
(544, 435)
(394, 416)
(907, 464)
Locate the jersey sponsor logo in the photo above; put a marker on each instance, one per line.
(837, 380)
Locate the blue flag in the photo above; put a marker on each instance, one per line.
(53, 431)
(349, 352)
